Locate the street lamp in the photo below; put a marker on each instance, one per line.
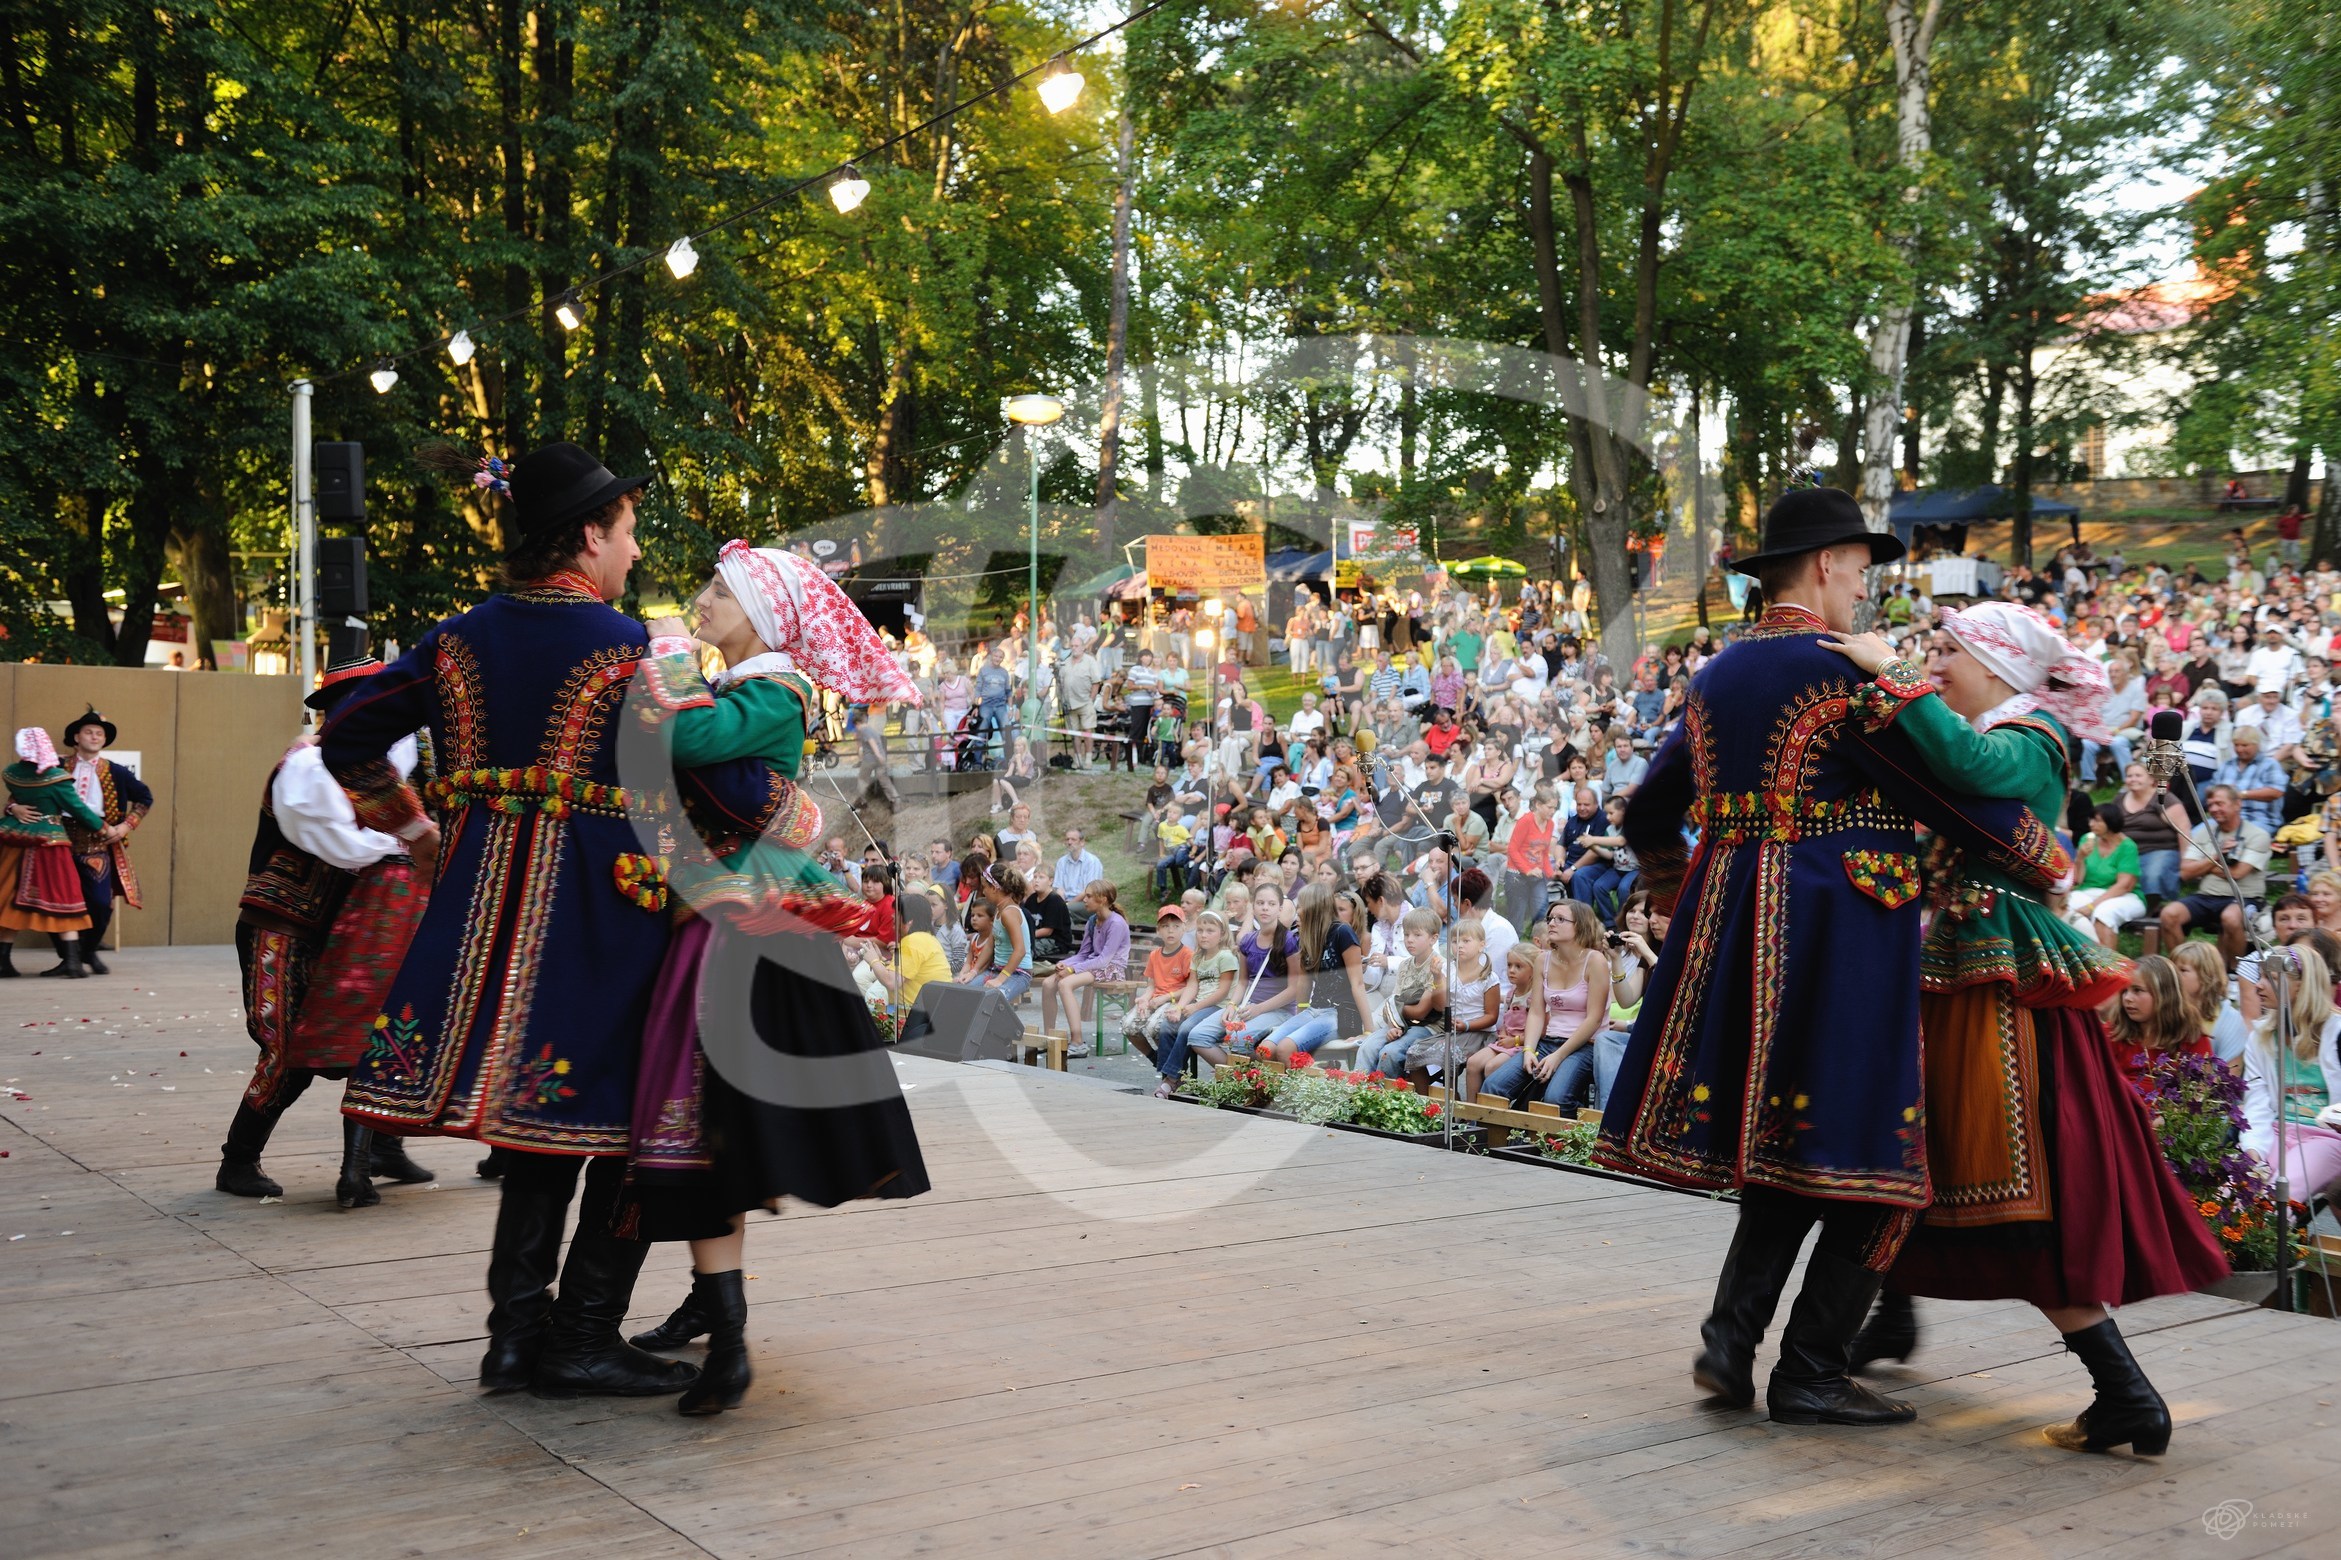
(1029, 412)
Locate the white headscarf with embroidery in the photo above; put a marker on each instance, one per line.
(2023, 649)
(808, 625)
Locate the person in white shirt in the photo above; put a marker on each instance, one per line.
(1474, 890)
(1307, 720)
(1077, 868)
(2125, 718)
(2274, 664)
(2280, 731)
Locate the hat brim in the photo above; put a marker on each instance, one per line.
(1885, 547)
(325, 698)
(105, 726)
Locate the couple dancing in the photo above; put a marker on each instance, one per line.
(548, 1002)
(1778, 1051)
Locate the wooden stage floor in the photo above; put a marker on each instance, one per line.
(1117, 1328)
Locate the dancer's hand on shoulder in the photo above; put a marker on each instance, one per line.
(1867, 651)
(668, 628)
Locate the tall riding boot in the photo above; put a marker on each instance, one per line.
(1891, 1333)
(1810, 1385)
(94, 939)
(391, 1163)
(1755, 1270)
(583, 1354)
(521, 1264)
(2127, 1409)
(355, 1189)
(687, 1322)
(724, 1379)
(240, 1174)
(68, 965)
(8, 960)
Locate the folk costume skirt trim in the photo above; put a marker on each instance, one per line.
(276, 968)
(45, 890)
(2121, 1228)
(704, 1151)
(355, 966)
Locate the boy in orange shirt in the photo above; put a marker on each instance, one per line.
(1167, 968)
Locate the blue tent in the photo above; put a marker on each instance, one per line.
(1290, 564)
(1968, 506)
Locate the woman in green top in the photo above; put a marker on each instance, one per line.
(2106, 898)
(2049, 1183)
(762, 1072)
(39, 889)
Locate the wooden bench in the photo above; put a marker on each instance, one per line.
(1042, 1048)
(1502, 1119)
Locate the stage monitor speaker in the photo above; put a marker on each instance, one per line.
(338, 480)
(957, 1024)
(341, 577)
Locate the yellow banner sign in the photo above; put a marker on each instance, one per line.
(1206, 563)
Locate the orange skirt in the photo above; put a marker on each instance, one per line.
(44, 891)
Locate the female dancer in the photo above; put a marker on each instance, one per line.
(2049, 1185)
(39, 891)
(704, 1151)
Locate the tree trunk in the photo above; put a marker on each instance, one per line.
(1913, 37)
(1117, 330)
(2295, 483)
(2325, 537)
(1701, 557)
(209, 575)
(2020, 477)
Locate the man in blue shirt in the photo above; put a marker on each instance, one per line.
(2258, 780)
(1385, 681)
(992, 687)
(1414, 688)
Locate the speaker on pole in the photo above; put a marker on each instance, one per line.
(341, 577)
(339, 472)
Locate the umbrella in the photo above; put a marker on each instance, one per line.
(1488, 567)
(1102, 583)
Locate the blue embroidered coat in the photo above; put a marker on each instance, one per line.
(517, 1015)
(1778, 1041)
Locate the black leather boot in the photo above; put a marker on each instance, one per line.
(724, 1379)
(93, 941)
(521, 1264)
(583, 1354)
(7, 960)
(1891, 1333)
(355, 1189)
(68, 965)
(389, 1161)
(491, 1165)
(240, 1174)
(687, 1322)
(1810, 1385)
(1755, 1270)
(2127, 1409)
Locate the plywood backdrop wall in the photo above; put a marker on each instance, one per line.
(206, 741)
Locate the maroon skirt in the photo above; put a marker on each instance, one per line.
(2122, 1228)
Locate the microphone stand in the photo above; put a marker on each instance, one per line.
(2166, 761)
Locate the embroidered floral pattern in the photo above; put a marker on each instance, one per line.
(1888, 876)
(395, 1049)
(584, 705)
(641, 879)
(542, 1079)
(461, 706)
(555, 792)
(1738, 817)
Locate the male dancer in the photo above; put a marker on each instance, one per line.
(1777, 1050)
(327, 912)
(103, 858)
(516, 1016)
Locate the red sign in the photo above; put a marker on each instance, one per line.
(169, 627)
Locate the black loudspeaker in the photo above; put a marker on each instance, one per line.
(341, 577)
(338, 480)
(961, 1025)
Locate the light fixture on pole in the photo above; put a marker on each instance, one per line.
(460, 348)
(1061, 87)
(1029, 412)
(848, 190)
(682, 259)
(383, 377)
(569, 309)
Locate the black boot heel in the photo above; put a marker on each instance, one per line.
(355, 1189)
(2127, 1411)
(687, 1323)
(1810, 1385)
(1890, 1334)
(724, 1379)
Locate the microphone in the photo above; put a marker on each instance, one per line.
(2165, 750)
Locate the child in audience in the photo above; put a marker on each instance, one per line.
(2152, 1018)
(1475, 997)
(1414, 993)
(2307, 1077)
(1167, 968)
(2202, 980)
(1522, 1023)
(1196, 1019)
(978, 962)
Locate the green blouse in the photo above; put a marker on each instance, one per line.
(757, 717)
(50, 793)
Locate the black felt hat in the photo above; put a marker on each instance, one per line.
(560, 484)
(89, 717)
(1804, 520)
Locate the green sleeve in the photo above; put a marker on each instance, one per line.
(761, 718)
(2014, 762)
(2125, 857)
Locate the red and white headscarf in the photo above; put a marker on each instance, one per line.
(2023, 649)
(35, 748)
(808, 625)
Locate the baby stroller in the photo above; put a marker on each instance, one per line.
(970, 749)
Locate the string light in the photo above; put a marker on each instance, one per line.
(682, 259)
(384, 376)
(848, 190)
(1060, 89)
(569, 309)
(459, 347)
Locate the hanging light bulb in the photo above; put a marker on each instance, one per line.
(383, 377)
(682, 259)
(459, 347)
(848, 190)
(569, 309)
(1060, 89)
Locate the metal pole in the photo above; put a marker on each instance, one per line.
(1032, 603)
(304, 535)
